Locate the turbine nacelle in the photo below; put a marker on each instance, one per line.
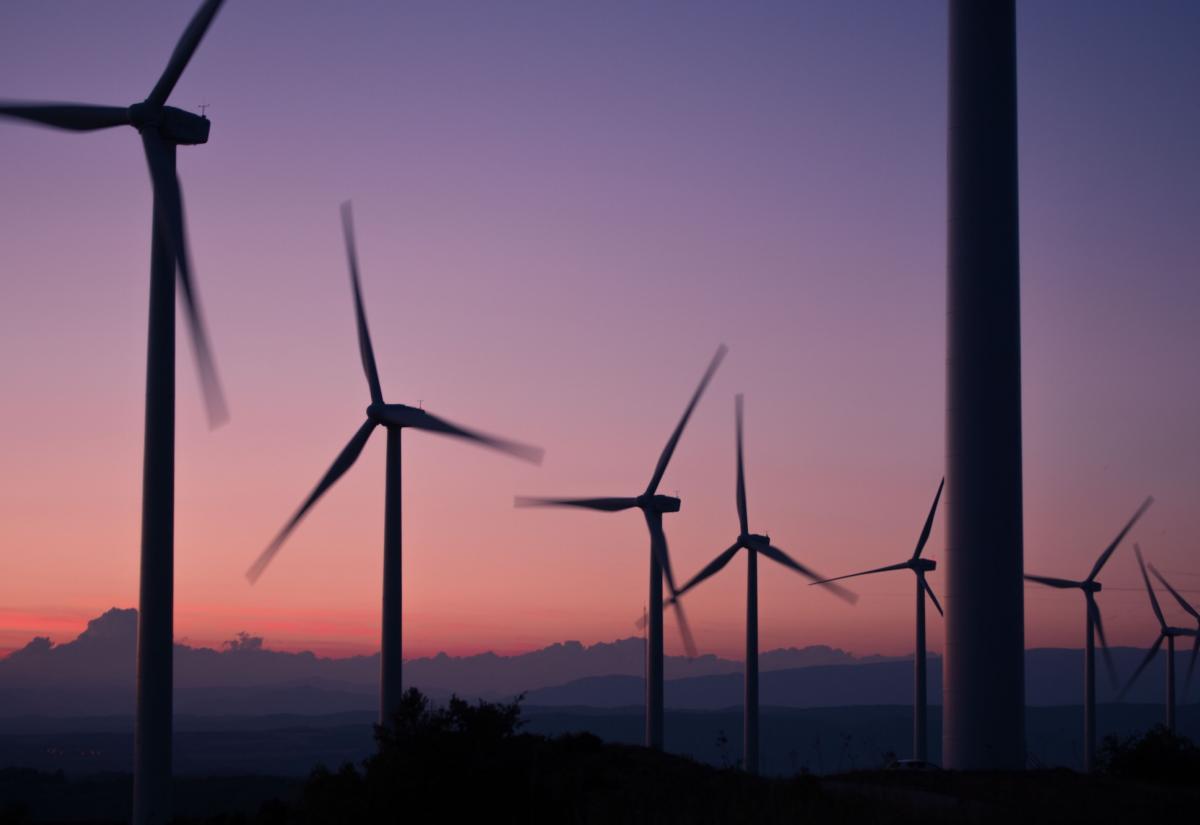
(659, 503)
(175, 125)
(921, 565)
(1091, 587)
(394, 415)
(753, 540)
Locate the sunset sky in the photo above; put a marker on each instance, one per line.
(562, 209)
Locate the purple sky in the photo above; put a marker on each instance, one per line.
(562, 208)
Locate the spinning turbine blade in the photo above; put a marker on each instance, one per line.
(365, 350)
(928, 522)
(75, 117)
(1108, 551)
(1182, 601)
(665, 458)
(421, 420)
(341, 464)
(743, 519)
(1149, 657)
(184, 49)
(775, 554)
(1050, 581)
(1162, 622)
(685, 630)
(904, 565)
(1094, 609)
(168, 202)
(609, 505)
(933, 598)
(709, 569)
(658, 546)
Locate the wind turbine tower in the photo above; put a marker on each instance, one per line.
(984, 671)
(163, 129)
(919, 566)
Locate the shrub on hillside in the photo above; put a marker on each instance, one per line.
(1155, 756)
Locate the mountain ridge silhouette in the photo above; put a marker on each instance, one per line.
(93, 675)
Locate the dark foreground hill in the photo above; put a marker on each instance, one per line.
(467, 762)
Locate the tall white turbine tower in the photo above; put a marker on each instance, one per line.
(983, 678)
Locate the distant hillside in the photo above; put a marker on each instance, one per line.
(94, 674)
(1053, 677)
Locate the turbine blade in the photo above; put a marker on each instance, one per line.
(775, 554)
(421, 420)
(1187, 685)
(709, 569)
(669, 450)
(1145, 662)
(1108, 551)
(184, 49)
(685, 630)
(365, 350)
(928, 522)
(1182, 601)
(1050, 581)
(1094, 609)
(168, 208)
(932, 597)
(341, 464)
(1162, 622)
(608, 505)
(658, 546)
(904, 565)
(743, 519)
(74, 117)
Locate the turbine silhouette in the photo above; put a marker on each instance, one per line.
(920, 567)
(753, 545)
(395, 418)
(1165, 632)
(162, 129)
(1187, 684)
(653, 506)
(1094, 628)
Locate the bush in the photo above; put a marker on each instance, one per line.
(471, 762)
(1156, 756)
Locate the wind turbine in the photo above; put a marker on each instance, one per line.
(753, 544)
(1094, 628)
(1187, 685)
(162, 129)
(394, 418)
(653, 505)
(919, 567)
(1166, 632)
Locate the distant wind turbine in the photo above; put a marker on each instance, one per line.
(753, 544)
(1094, 628)
(652, 505)
(162, 129)
(394, 418)
(1166, 632)
(1187, 685)
(920, 567)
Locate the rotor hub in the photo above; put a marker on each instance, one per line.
(659, 503)
(174, 125)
